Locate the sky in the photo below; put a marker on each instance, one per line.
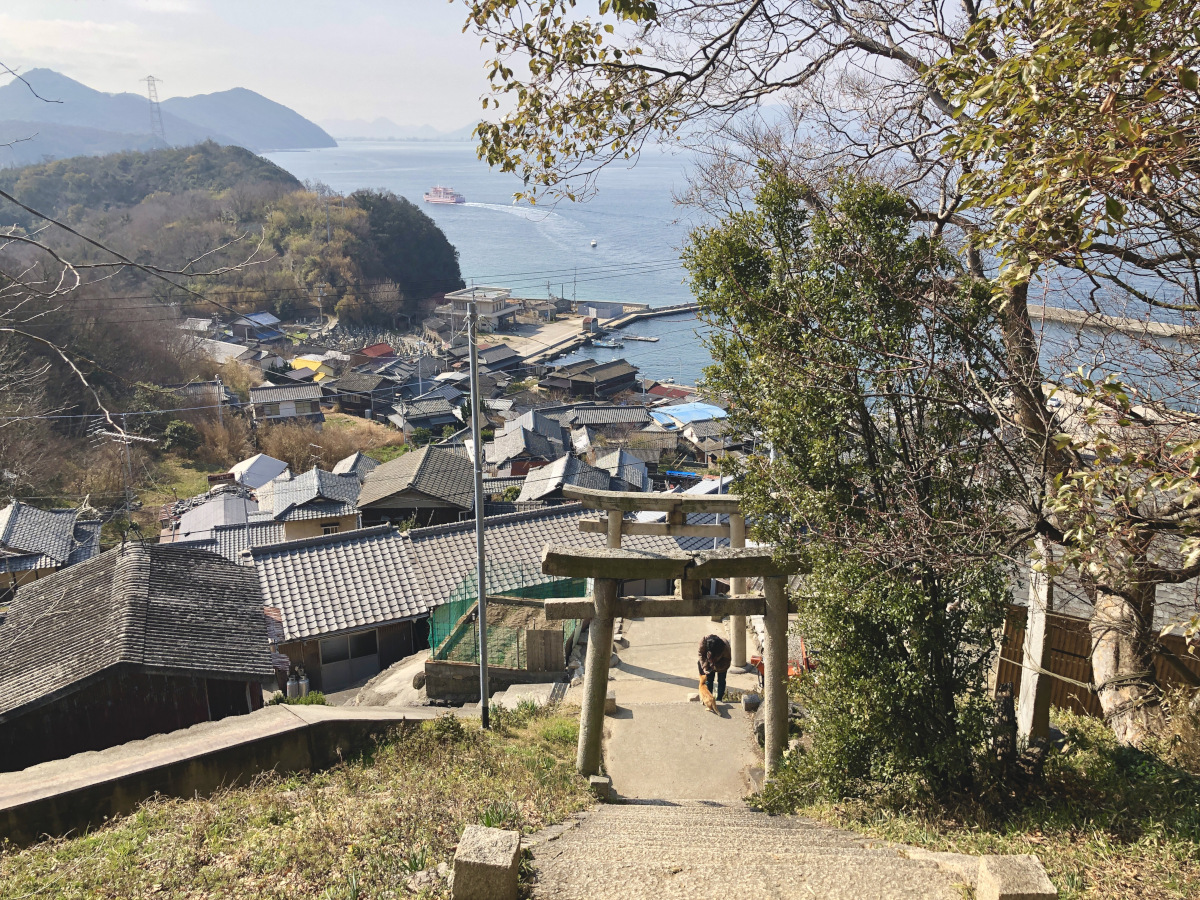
(407, 60)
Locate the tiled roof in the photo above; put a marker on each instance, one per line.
(161, 608)
(32, 538)
(432, 471)
(610, 415)
(499, 356)
(372, 576)
(357, 382)
(339, 582)
(624, 465)
(285, 393)
(323, 493)
(447, 392)
(546, 480)
(429, 408)
(709, 429)
(262, 318)
(356, 464)
(535, 421)
(519, 441)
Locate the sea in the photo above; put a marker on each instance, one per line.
(543, 249)
(638, 230)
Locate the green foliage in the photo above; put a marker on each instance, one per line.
(90, 184)
(180, 435)
(409, 248)
(1078, 127)
(900, 697)
(421, 436)
(511, 493)
(360, 828)
(312, 698)
(1106, 821)
(855, 347)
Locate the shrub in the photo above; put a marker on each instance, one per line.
(421, 436)
(900, 695)
(312, 698)
(180, 435)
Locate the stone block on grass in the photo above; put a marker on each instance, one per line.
(485, 864)
(1019, 877)
(751, 702)
(610, 703)
(601, 787)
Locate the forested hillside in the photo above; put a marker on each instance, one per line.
(228, 233)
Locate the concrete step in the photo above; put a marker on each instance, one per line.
(688, 851)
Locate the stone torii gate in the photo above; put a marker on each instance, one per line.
(612, 565)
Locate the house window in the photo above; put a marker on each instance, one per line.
(330, 528)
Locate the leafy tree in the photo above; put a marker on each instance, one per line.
(409, 248)
(1078, 137)
(180, 435)
(421, 436)
(1057, 141)
(854, 345)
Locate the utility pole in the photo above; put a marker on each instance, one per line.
(480, 573)
(128, 464)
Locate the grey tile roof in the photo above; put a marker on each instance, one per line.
(447, 392)
(536, 422)
(428, 408)
(622, 464)
(32, 538)
(337, 583)
(372, 576)
(230, 540)
(432, 471)
(157, 607)
(356, 464)
(357, 382)
(285, 393)
(543, 482)
(610, 415)
(287, 497)
(521, 441)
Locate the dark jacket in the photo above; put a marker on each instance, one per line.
(715, 655)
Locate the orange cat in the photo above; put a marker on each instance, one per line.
(706, 697)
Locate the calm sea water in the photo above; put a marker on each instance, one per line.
(638, 233)
(535, 249)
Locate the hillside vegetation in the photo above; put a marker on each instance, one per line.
(258, 239)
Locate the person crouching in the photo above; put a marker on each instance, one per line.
(715, 660)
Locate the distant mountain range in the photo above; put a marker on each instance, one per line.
(87, 121)
(382, 129)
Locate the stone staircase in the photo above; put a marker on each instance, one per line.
(692, 850)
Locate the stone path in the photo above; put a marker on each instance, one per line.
(659, 744)
(679, 828)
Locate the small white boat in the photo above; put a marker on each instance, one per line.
(593, 243)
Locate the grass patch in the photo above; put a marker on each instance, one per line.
(388, 453)
(1108, 821)
(358, 830)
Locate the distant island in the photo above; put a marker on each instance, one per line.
(85, 121)
(384, 129)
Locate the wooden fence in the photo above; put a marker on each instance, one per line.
(1070, 656)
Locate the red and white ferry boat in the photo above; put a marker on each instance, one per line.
(441, 194)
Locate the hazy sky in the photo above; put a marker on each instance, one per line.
(404, 59)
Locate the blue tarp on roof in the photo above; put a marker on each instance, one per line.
(263, 318)
(686, 413)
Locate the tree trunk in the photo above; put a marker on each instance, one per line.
(1123, 664)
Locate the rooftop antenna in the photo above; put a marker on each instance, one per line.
(156, 119)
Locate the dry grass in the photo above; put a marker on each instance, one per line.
(1108, 822)
(302, 446)
(360, 830)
